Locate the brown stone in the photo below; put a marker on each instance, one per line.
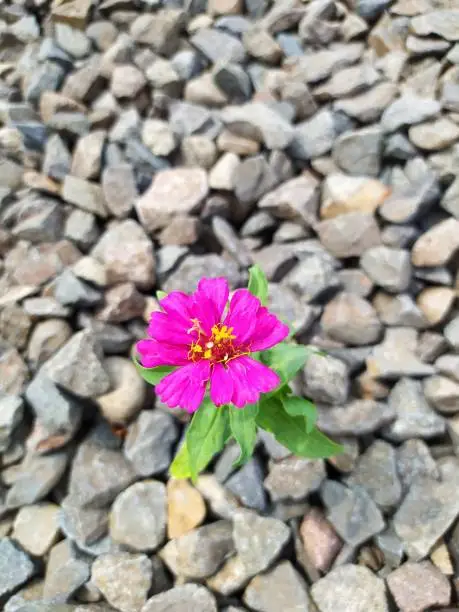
(320, 541)
(436, 246)
(172, 192)
(419, 586)
(185, 508)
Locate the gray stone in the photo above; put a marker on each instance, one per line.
(258, 122)
(350, 319)
(69, 290)
(72, 41)
(442, 393)
(252, 179)
(15, 567)
(221, 501)
(36, 528)
(84, 194)
(85, 526)
(46, 338)
(11, 413)
(350, 588)
(314, 137)
(313, 278)
(444, 23)
(326, 379)
(396, 356)
(398, 310)
(37, 476)
(258, 540)
(65, 573)
(449, 365)
(77, 367)
(317, 66)
(389, 268)
(138, 516)
(233, 81)
(349, 81)
(391, 546)
(194, 267)
(46, 77)
(218, 46)
(414, 417)
(426, 513)
(350, 234)
(352, 512)
(408, 110)
(13, 370)
(58, 415)
(415, 462)
(376, 472)
(294, 478)
(186, 118)
(98, 474)
(282, 588)
(185, 598)
(451, 332)
(434, 135)
(160, 31)
(119, 187)
(123, 579)
(44, 307)
(230, 242)
(40, 220)
(358, 417)
(359, 152)
(355, 281)
(247, 485)
(199, 553)
(82, 229)
(370, 105)
(285, 304)
(295, 200)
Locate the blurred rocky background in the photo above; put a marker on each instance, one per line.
(146, 143)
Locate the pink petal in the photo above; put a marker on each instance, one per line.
(153, 354)
(268, 332)
(178, 305)
(185, 388)
(250, 379)
(169, 329)
(241, 315)
(221, 385)
(209, 301)
(217, 292)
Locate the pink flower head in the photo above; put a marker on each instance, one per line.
(210, 342)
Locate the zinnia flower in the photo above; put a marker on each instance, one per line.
(211, 341)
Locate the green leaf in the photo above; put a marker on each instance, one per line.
(180, 467)
(152, 375)
(244, 429)
(300, 407)
(287, 359)
(206, 435)
(160, 295)
(291, 431)
(258, 284)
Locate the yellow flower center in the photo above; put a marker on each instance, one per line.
(216, 348)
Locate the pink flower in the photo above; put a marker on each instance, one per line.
(209, 342)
